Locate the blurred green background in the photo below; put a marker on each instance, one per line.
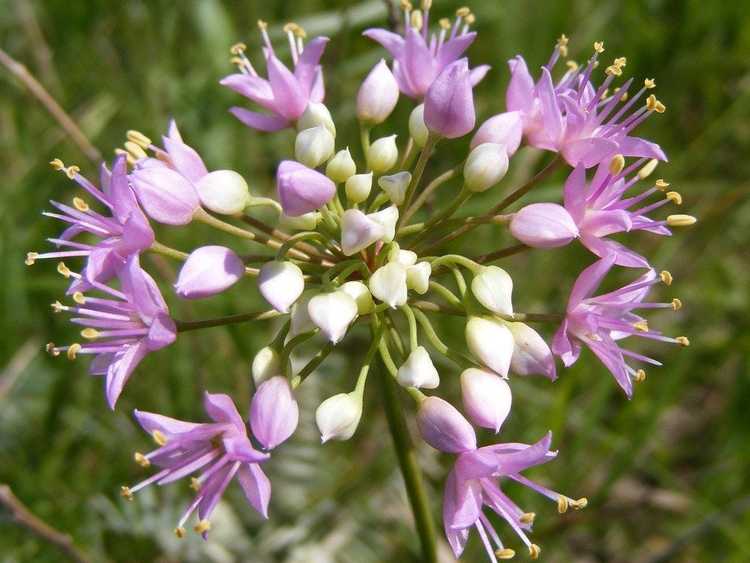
(666, 474)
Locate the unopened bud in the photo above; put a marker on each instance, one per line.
(444, 428)
(316, 114)
(332, 313)
(417, 128)
(305, 222)
(377, 95)
(314, 146)
(418, 370)
(281, 283)
(543, 225)
(337, 417)
(358, 291)
(266, 364)
(382, 154)
(491, 342)
(341, 167)
(395, 186)
(418, 277)
(358, 231)
(486, 397)
(486, 165)
(386, 218)
(358, 187)
(223, 191)
(493, 288)
(388, 284)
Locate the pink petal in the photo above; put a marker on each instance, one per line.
(260, 121)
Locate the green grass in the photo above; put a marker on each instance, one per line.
(665, 474)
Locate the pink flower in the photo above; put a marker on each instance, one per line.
(208, 270)
(449, 103)
(302, 189)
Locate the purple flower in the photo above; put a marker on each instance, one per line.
(473, 484)
(600, 322)
(417, 61)
(221, 450)
(274, 412)
(576, 119)
(285, 94)
(124, 233)
(122, 327)
(449, 103)
(302, 189)
(209, 270)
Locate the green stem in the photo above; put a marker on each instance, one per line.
(467, 263)
(164, 250)
(424, 156)
(458, 358)
(316, 360)
(502, 253)
(294, 239)
(286, 351)
(444, 214)
(413, 339)
(431, 187)
(446, 294)
(184, 326)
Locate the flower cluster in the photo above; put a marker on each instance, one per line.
(353, 249)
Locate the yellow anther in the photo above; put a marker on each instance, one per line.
(641, 326)
(426, 4)
(127, 155)
(52, 349)
(583, 502)
(138, 138)
(621, 61)
(73, 349)
(202, 526)
(683, 341)
(90, 333)
(675, 197)
(527, 517)
(444, 23)
(195, 484)
(599, 47)
(299, 31)
(572, 65)
(563, 40)
(648, 169)
(666, 277)
(470, 19)
(505, 553)
(238, 48)
(80, 204)
(660, 107)
(681, 220)
(639, 376)
(406, 5)
(291, 27)
(463, 11)
(135, 149)
(141, 459)
(237, 61)
(57, 307)
(63, 270)
(649, 83)
(416, 19)
(159, 438)
(676, 304)
(79, 298)
(31, 258)
(624, 97)
(616, 164)
(57, 164)
(534, 551)
(651, 102)
(179, 532)
(613, 70)
(604, 94)
(126, 493)
(562, 504)
(262, 25)
(661, 184)
(71, 171)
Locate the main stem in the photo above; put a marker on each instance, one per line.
(407, 460)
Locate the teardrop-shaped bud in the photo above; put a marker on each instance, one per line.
(165, 195)
(332, 313)
(504, 129)
(417, 128)
(388, 284)
(361, 295)
(491, 342)
(302, 189)
(316, 114)
(337, 417)
(300, 317)
(493, 288)
(395, 186)
(531, 354)
(358, 231)
(266, 364)
(444, 428)
(404, 257)
(281, 283)
(449, 102)
(305, 222)
(341, 167)
(274, 412)
(358, 187)
(418, 277)
(223, 191)
(543, 225)
(486, 397)
(418, 370)
(314, 146)
(377, 95)
(382, 155)
(485, 166)
(386, 218)
(207, 271)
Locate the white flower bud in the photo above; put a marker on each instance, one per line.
(223, 191)
(386, 218)
(418, 277)
(358, 187)
(316, 114)
(382, 155)
(313, 146)
(486, 397)
(404, 257)
(493, 288)
(531, 354)
(338, 417)
(358, 291)
(332, 313)
(417, 128)
(418, 370)
(395, 186)
(281, 283)
(358, 231)
(486, 166)
(491, 342)
(341, 167)
(305, 222)
(377, 95)
(388, 284)
(266, 364)
(300, 318)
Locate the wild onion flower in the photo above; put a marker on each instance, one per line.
(122, 328)
(418, 57)
(601, 321)
(285, 94)
(126, 232)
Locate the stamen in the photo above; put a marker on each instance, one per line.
(676, 304)
(583, 502)
(57, 164)
(126, 493)
(58, 307)
(195, 484)
(426, 4)
(572, 65)
(562, 45)
(648, 169)
(31, 258)
(641, 326)
(141, 459)
(51, 349)
(138, 138)
(135, 150)
(681, 220)
(675, 197)
(71, 171)
(179, 532)
(639, 376)
(238, 48)
(202, 526)
(534, 551)
(416, 20)
(616, 164)
(682, 341)
(127, 155)
(79, 298)
(599, 47)
(90, 333)
(73, 349)
(649, 83)
(80, 205)
(444, 23)
(527, 517)
(406, 5)
(666, 278)
(159, 437)
(562, 504)
(63, 270)
(505, 553)
(463, 11)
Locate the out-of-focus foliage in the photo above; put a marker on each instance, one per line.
(666, 474)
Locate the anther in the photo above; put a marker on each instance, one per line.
(676, 304)
(534, 551)
(90, 333)
(135, 149)
(649, 83)
(505, 553)
(63, 270)
(416, 20)
(682, 341)
(426, 4)
(470, 19)
(406, 5)
(527, 517)
(660, 107)
(463, 11)
(31, 258)
(661, 185)
(675, 197)
(599, 47)
(648, 169)
(80, 204)
(159, 438)
(666, 277)
(651, 102)
(202, 526)
(138, 138)
(572, 65)
(52, 349)
(291, 27)
(195, 484)
(127, 155)
(444, 23)
(299, 31)
(71, 171)
(57, 307)
(562, 45)
(79, 298)
(57, 164)
(238, 48)
(262, 25)
(126, 493)
(641, 326)
(639, 376)
(179, 532)
(624, 97)
(73, 349)
(141, 459)
(613, 70)
(562, 504)
(583, 502)
(616, 164)
(681, 220)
